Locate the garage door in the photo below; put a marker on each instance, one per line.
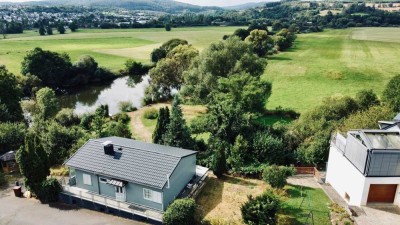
(382, 193)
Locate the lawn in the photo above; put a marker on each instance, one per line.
(333, 62)
(303, 199)
(110, 48)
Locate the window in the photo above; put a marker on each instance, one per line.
(151, 195)
(87, 179)
(103, 180)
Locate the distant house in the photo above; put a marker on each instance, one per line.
(364, 168)
(130, 174)
(8, 162)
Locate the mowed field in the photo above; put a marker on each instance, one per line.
(110, 48)
(334, 62)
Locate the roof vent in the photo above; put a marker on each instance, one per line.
(108, 148)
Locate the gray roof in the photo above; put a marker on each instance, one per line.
(8, 156)
(137, 162)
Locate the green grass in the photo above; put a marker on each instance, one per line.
(318, 203)
(110, 48)
(333, 62)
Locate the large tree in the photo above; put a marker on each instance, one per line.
(178, 134)
(391, 94)
(50, 67)
(33, 162)
(221, 59)
(260, 41)
(10, 95)
(161, 52)
(47, 104)
(162, 124)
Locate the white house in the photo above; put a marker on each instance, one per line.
(365, 167)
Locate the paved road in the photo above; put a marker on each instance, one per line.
(22, 211)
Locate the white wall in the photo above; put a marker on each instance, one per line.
(345, 178)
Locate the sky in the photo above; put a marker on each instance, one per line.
(194, 2)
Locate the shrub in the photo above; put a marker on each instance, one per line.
(49, 191)
(150, 113)
(67, 117)
(261, 209)
(276, 175)
(2, 179)
(123, 118)
(126, 107)
(180, 212)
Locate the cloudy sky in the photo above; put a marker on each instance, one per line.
(195, 2)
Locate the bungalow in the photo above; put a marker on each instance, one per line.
(8, 162)
(131, 174)
(364, 167)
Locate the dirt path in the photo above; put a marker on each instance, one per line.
(139, 131)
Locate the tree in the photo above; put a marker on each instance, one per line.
(73, 26)
(268, 149)
(261, 209)
(180, 212)
(178, 134)
(50, 190)
(276, 175)
(284, 39)
(58, 141)
(50, 67)
(219, 157)
(42, 31)
(135, 70)
(162, 124)
(3, 29)
(11, 136)
(168, 73)
(168, 27)
(161, 52)
(10, 95)
(221, 59)
(260, 41)
(391, 94)
(67, 117)
(239, 152)
(241, 33)
(47, 104)
(49, 30)
(61, 28)
(118, 129)
(366, 99)
(33, 163)
(277, 25)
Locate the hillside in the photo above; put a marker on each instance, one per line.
(168, 6)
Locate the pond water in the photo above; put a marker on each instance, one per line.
(88, 98)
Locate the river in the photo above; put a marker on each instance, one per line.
(87, 99)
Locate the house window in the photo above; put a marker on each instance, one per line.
(103, 180)
(151, 195)
(87, 179)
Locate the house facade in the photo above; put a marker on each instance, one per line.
(364, 167)
(142, 175)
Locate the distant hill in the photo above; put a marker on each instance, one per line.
(168, 6)
(248, 5)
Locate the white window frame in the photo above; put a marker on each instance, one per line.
(151, 195)
(87, 179)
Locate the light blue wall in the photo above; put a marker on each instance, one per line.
(79, 181)
(134, 194)
(181, 176)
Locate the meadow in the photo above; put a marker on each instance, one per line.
(110, 48)
(333, 62)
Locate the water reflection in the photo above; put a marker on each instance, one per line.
(87, 99)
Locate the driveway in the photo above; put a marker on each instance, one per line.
(384, 214)
(22, 211)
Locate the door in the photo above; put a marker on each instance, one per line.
(382, 193)
(120, 194)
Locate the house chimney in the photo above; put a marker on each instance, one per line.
(108, 148)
